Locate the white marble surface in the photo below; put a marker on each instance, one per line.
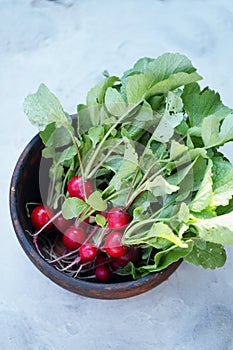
(67, 44)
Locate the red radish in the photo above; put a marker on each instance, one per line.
(61, 223)
(73, 237)
(118, 218)
(131, 255)
(114, 265)
(101, 260)
(113, 245)
(87, 252)
(103, 273)
(80, 188)
(40, 216)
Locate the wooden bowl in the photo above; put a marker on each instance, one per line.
(25, 188)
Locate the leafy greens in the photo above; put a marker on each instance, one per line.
(150, 141)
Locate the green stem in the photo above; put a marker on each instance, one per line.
(116, 194)
(143, 223)
(78, 153)
(155, 215)
(139, 190)
(104, 159)
(51, 190)
(147, 173)
(64, 181)
(108, 133)
(85, 214)
(132, 184)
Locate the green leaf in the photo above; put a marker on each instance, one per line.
(120, 199)
(95, 101)
(96, 134)
(160, 187)
(128, 165)
(184, 178)
(97, 93)
(67, 154)
(139, 67)
(180, 175)
(174, 104)
(142, 64)
(210, 130)
(49, 152)
(183, 129)
(204, 196)
(43, 108)
(177, 149)
(139, 213)
(136, 87)
(158, 235)
(73, 207)
(96, 202)
(221, 210)
(173, 82)
(183, 214)
(165, 73)
(130, 152)
(198, 174)
(84, 122)
(113, 163)
(222, 181)
(166, 257)
(46, 134)
(127, 270)
(56, 171)
(59, 138)
(211, 134)
(206, 254)
(167, 64)
(163, 132)
(162, 230)
(226, 131)
(85, 148)
(114, 102)
(100, 220)
(140, 87)
(161, 68)
(189, 89)
(201, 105)
(218, 229)
(145, 113)
(171, 118)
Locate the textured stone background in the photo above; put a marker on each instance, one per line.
(67, 44)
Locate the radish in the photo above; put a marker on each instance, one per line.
(113, 245)
(80, 188)
(73, 237)
(103, 273)
(87, 252)
(61, 223)
(132, 255)
(101, 260)
(117, 218)
(40, 216)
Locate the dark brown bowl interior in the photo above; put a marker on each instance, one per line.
(25, 188)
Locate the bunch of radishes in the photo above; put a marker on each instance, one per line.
(103, 258)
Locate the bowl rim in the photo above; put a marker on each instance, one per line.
(50, 271)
